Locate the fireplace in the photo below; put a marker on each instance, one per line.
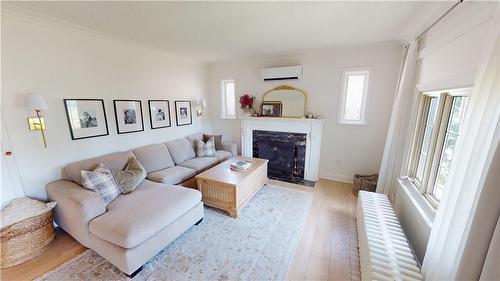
(286, 153)
(306, 171)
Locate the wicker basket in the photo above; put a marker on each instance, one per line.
(364, 182)
(24, 239)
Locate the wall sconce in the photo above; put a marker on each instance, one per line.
(37, 103)
(202, 104)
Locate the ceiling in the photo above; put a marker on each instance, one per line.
(213, 31)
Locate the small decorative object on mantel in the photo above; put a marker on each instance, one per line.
(271, 108)
(27, 230)
(246, 104)
(364, 182)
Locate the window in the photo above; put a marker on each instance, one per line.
(439, 122)
(228, 99)
(354, 89)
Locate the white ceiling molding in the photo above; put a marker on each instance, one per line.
(213, 31)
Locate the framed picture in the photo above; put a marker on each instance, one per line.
(183, 114)
(271, 108)
(128, 114)
(86, 118)
(159, 113)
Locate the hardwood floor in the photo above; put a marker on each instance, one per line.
(327, 249)
(63, 248)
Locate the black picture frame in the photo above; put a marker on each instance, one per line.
(151, 114)
(68, 118)
(116, 117)
(190, 115)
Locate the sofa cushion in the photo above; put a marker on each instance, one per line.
(114, 162)
(223, 155)
(131, 176)
(172, 175)
(101, 180)
(205, 148)
(200, 164)
(180, 150)
(193, 138)
(217, 138)
(134, 218)
(154, 157)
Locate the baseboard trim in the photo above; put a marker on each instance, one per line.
(340, 178)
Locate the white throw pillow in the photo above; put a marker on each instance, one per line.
(205, 148)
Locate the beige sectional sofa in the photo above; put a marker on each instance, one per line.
(134, 227)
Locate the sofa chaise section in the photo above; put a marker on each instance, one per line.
(147, 220)
(139, 225)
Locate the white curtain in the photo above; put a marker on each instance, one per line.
(450, 247)
(392, 159)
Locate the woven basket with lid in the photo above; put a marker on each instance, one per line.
(27, 230)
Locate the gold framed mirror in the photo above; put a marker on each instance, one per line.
(293, 100)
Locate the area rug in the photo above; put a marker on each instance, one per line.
(258, 245)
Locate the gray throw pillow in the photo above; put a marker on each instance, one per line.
(217, 138)
(101, 180)
(205, 148)
(133, 174)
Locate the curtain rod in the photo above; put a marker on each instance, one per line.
(440, 18)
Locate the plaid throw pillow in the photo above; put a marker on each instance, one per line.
(205, 148)
(217, 138)
(101, 180)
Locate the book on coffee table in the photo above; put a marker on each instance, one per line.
(241, 165)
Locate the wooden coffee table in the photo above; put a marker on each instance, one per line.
(229, 190)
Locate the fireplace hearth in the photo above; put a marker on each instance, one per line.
(285, 152)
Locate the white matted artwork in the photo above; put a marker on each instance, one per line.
(86, 118)
(128, 115)
(159, 114)
(183, 114)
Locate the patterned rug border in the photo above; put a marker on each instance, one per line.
(290, 253)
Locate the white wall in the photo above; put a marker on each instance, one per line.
(346, 149)
(61, 61)
(449, 56)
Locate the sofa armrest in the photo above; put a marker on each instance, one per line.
(230, 147)
(75, 208)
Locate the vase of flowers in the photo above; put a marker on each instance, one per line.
(246, 104)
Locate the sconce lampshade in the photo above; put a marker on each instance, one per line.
(203, 102)
(36, 102)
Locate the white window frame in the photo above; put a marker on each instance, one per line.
(445, 98)
(224, 114)
(343, 95)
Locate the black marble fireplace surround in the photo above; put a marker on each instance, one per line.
(286, 153)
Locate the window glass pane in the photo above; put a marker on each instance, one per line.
(455, 122)
(354, 96)
(229, 99)
(429, 124)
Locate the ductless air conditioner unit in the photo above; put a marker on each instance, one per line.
(293, 72)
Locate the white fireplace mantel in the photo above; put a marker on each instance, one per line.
(311, 127)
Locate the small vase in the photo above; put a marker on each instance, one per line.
(247, 112)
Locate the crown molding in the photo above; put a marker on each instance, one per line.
(13, 12)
